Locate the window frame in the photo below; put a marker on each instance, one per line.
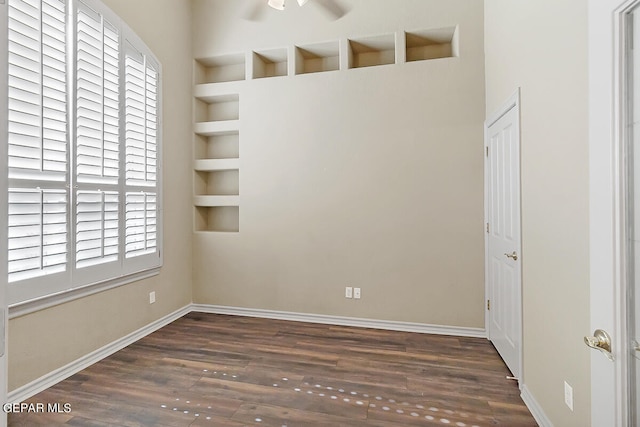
(36, 293)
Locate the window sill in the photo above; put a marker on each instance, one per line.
(31, 306)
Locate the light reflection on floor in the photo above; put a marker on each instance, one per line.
(417, 410)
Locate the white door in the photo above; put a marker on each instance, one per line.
(631, 233)
(3, 206)
(613, 147)
(503, 253)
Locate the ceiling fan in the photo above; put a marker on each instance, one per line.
(332, 8)
(279, 4)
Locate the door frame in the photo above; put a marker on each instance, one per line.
(513, 102)
(4, 105)
(607, 207)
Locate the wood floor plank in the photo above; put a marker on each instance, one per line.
(218, 370)
(266, 415)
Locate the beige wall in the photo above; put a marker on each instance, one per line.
(369, 178)
(541, 47)
(46, 340)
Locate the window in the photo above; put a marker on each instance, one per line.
(83, 150)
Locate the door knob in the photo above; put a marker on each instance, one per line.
(513, 256)
(635, 346)
(600, 341)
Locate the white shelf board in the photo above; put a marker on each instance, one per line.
(216, 164)
(217, 92)
(213, 201)
(223, 127)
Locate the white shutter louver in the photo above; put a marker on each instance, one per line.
(96, 227)
(37, 232)
(37, 90)
(141, 121)
(141, 234)
(97, 109)
(151, 124)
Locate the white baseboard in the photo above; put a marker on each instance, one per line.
(343, 321)
(534, 407)
(36, 386)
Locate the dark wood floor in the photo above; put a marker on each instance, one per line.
(213, 370)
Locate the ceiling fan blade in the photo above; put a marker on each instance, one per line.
(255, 10)
(332, 8)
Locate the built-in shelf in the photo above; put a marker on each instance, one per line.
(270, 63)
(223, 68)
(211, 92)
(216, 164)
(213, 201)
(372, 51)
(219, 81)
(221, 146)
(217, 108)
(431, 44)
(317, 58)
(217, 219)
(216, 116)
(223, 182)
(225, 127)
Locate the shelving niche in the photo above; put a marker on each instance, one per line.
(270, 63)
(218, 182)
(431, 44)
(317, 58)
(216, 114)
(216, 166)
(216, 195)
(217, 146)
(223, 68)
(218, 218)
(372, 51)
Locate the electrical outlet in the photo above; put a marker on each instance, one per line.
(356, 293)
(568, 395)
(348, 292)
(152, 297)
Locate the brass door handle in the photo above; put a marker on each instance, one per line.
(513, 255)
(600, 341)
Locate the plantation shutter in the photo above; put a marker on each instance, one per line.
(83, 198)
(96, 227)
(37, 139)
(37, 232)
(97, 139)
(141, 224)
(97, 98)
(141, 117)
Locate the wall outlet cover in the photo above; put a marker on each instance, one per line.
(568, 395)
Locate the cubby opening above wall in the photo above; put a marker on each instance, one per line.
(317, 58)
(350, 53)
(220, 79)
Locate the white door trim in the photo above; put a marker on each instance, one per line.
(607, 207)
(4, 105)
(512, 102)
